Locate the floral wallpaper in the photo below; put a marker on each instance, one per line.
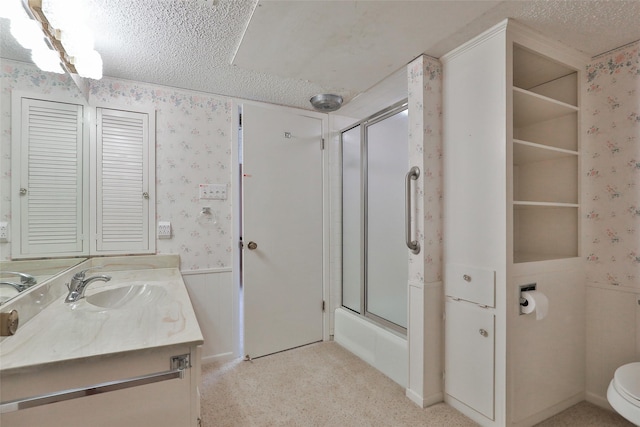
(425, 151)
(611, 165)
(193, 146)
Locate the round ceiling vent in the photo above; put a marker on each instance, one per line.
(326, 102)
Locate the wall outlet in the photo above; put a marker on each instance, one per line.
(213, 191)
(4, 232)
(164, 230)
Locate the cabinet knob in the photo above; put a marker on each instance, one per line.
(466, 278)
(484, 333)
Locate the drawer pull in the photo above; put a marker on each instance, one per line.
(466, 278)
(61, 396)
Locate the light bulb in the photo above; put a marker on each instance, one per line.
(76, 40)
(28, 33)
(89, 64)
(12, 9)
(47, 60)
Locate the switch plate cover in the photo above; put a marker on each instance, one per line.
(213, 191)
(164, 230)
(4, 232)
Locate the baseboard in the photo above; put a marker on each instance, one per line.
(550, 411)
(598, 401)
(426, 401)
(217, 358)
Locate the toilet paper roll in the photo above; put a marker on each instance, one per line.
(536, 301)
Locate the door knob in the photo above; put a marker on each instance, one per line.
(252, 245)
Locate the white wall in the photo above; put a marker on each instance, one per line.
(215, 302)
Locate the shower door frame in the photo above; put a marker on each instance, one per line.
(365, 124)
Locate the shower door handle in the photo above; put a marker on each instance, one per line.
(412, 175)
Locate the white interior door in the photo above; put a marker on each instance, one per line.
(282, 217)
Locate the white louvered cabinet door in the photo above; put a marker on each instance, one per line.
(50, 182)
(125, 213)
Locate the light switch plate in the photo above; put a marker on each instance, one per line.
(213, 191)
(164, 230)
(4, 232)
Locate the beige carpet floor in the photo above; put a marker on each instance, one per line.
(325, 385)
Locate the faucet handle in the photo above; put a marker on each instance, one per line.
(81, 274)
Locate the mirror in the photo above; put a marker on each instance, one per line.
(40, 270)
(18, 277)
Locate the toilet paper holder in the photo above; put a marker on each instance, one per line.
(522, 301)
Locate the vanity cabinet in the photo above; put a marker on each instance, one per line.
(167, 403)
(511, 127)
(83, 179)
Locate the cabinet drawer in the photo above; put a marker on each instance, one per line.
(471, 284)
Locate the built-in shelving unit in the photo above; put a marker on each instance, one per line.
(545, 158)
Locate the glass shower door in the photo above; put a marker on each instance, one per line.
(374, 256)
(386, 252)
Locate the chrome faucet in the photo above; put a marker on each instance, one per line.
(79, 284)
(25, 279)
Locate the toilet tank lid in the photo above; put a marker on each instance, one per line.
(627, 377)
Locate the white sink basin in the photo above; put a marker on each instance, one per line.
(127, 295)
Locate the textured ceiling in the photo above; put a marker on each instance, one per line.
(311, 47)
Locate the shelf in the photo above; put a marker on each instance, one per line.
(544, 231)
(530, 108)
(531, 69)
(522, 257)
(561, 132)
(522, 205)
(531, 152)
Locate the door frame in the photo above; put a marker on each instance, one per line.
(236, 105)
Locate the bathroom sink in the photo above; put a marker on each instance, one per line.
(127, 295)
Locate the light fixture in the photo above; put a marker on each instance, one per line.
(326, 102)
(66, 40)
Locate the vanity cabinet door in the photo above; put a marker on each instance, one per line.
(49, 179)
(124, 182)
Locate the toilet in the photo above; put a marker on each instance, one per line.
(624, 392)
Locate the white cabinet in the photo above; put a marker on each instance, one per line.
(124, 183)
(162, 402)
(511, 117)
(469, 340)
(49, 178)
(545, 158)
(83, 179)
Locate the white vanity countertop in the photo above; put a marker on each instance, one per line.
(70, 331)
